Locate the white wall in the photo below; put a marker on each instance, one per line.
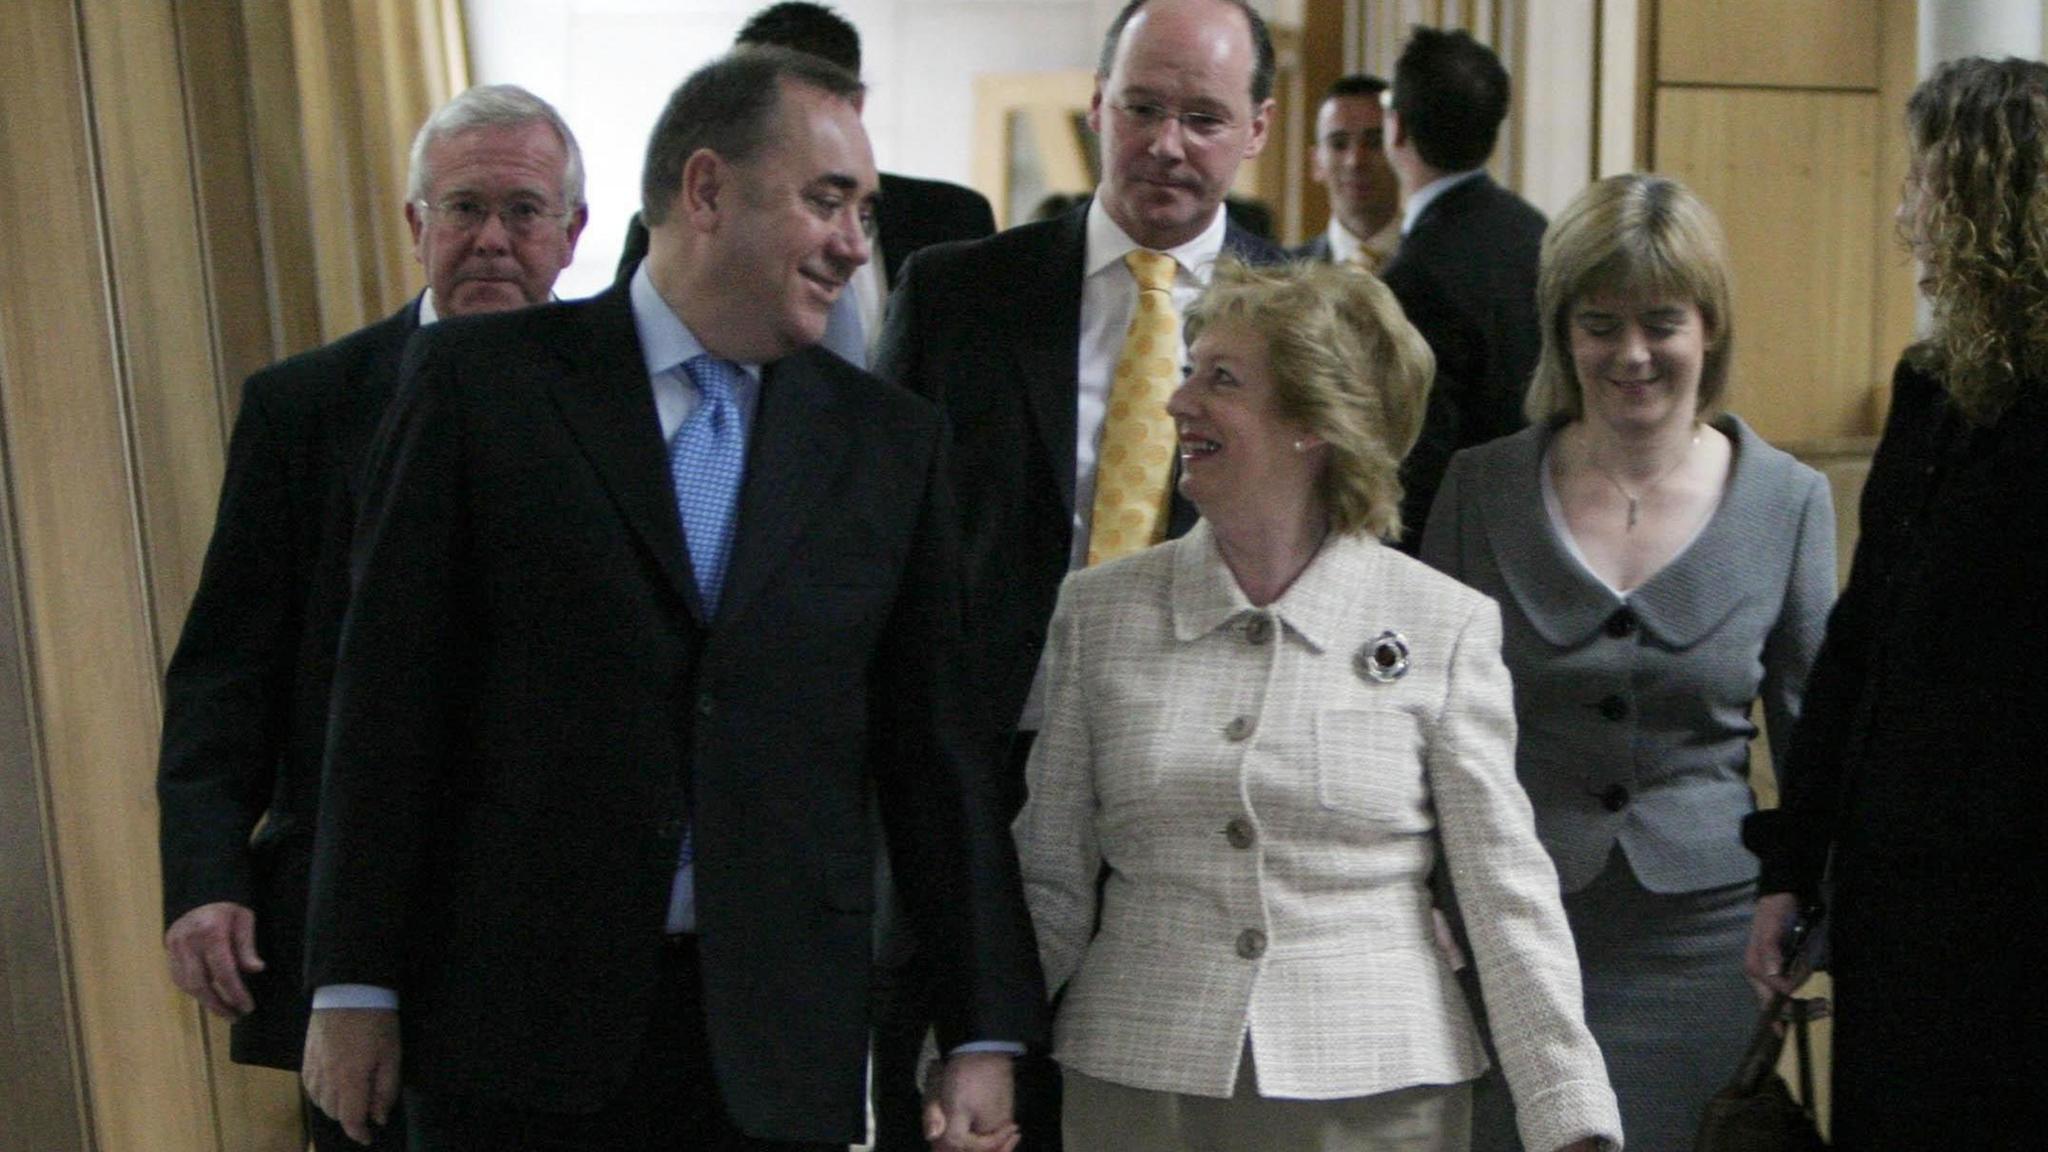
(609, 65)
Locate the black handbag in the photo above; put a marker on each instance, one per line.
(1756, 1111)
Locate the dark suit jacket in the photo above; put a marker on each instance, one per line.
(911, 214)
(1466, 276)
(245, 699)
(991, 331)
(528, 708)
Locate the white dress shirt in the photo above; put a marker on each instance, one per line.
(1345, 245)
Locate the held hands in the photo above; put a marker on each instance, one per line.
(968, 1107)
(351, 1067)
(1764, 960)
(209, 948)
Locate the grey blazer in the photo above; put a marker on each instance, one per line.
(1634, 711)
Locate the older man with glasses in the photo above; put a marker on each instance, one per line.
(495, 201)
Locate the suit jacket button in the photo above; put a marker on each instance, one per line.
(1614, 708)
(704, 705)
(1614, 797)
(1621, 625)
(1239, 832)
(1238, 730)
(1258, 629)
(1251, 943)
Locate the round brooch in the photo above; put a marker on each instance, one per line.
(1385, 659)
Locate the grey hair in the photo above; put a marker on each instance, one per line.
(492, 106)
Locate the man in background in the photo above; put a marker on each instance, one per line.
(1021, 339)
(1466, 270)
(910, 214)
(1350, 161)
(495, 203)
(654, 604)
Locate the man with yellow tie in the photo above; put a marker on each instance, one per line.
(1053, 347)
(1349, 160)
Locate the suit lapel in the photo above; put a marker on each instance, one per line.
(608, 404)
(792, 455)
(1047, 341)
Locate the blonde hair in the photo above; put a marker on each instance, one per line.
(1980, 145)
(1346, 365)
(1640, 236)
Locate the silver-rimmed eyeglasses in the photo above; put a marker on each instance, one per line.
(1151, 117)
(468, 215)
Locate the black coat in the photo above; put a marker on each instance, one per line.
(1465, 274)
(991, 331)
(245, 698)
(529, 706)
(1922, 760)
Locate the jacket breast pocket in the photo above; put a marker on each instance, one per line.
(1369, 764)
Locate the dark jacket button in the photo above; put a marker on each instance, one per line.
(1621, 624)
(1239, 832)
(1251, 943)
(704, 704)
(1614, 708)
(1614, 798)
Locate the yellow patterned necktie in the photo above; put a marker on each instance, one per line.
(1135, 464)
(1368, 260)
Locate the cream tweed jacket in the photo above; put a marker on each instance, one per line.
(1269, 812)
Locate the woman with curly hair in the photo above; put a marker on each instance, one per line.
(1918, 779)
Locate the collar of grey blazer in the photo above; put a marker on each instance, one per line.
(1319, 607)
(1680, 605)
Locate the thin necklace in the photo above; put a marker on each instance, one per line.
(1635, 498)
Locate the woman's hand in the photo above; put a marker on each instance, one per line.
(1764, 960)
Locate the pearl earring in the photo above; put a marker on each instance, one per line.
(1301, 445)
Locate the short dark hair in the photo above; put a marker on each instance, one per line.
(1262, 47)
(1357, 84)
(802, 26)
(728, 106)
(1451, 94)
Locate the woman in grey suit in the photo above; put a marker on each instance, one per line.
(1660, 569)
(1261, 737)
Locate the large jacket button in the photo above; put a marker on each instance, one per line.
(1251, 943)
(1240, 833)
(1614, 797)
(704, 704)
(1614, 708)
(1259, 629)
(1238, 730)
(1621, 625)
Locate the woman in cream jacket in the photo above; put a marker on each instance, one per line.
(1261, 738)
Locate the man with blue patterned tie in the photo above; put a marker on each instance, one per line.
(654, 599)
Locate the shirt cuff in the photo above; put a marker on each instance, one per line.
(354, 996)
(1006, 1047)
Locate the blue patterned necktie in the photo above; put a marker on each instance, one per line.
(706, 461)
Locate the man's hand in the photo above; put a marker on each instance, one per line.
(1764, 961)
(351, 1067)
(209, 948)
(969, 1109)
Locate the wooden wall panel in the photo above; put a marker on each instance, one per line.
(93, 664)
(1789, 174)
(1768, 43)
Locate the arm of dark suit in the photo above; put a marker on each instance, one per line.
(393, 684)
(936, 765)
(229, 682)
(1443, 419)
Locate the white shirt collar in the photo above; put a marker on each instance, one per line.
(427, 313)
(1108, 244)
(1427, 194)
(1344, 246)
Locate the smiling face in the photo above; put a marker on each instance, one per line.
(1350, 159)
(1175, 117)
(487, 268)
(1638, 361)
(785, 230)
(1238, 459)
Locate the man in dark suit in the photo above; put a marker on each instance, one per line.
(1020, 336)
(911, 213)
(653, 601)
(1466, 270)
(495, 202)
(1349, 159)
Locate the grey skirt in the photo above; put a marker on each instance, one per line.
(1665, 998)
